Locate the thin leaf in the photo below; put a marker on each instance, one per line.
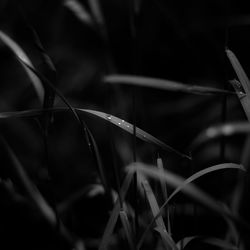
(127, 228)
(181, 244)
(19, 52)
(129, 128)
(79, 11)
(161, 228)
(214, 132)
(141, 134)
(163, 84)
(243, 97)
(96, 11)
(164, 191)
(188, 188)
(208, 240)
(115, 214)
(239, 71)
(43, 207)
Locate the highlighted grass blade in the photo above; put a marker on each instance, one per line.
(129, 128)
(188, 188)
(239, 71)
(164, 84)
(79, 11)
(161, 228)
(214, 132)
(18, 51)
(115, 213)
(141, 134)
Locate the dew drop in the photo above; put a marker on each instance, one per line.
(123, 121)
(119, 123)
(109, 117)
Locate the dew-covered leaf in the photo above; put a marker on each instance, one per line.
(141, 134)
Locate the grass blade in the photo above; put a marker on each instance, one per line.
(163, 84)
(141, 134)
(115, 213)
(239, 71)
(79, 11)
(164, 192)
(189, 189)
(208, 240)
(161, 228)
(41, 204)
(19, 52)
(214, 132)
(129, 128)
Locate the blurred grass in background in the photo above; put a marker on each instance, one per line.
(175, 40)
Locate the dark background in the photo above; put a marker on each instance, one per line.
(183, 41)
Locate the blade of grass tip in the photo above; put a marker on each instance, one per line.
(90, 191)
(43, 207)
(181, 244)
(19, 52)
(214, 132)
(163, 84)
(129, 128)
(96, 11)
(79, 11)
(161, 228)
(164, 192)
(115, 213)
(239, 71)
(127, 228)
(163, 184)
(188, 188)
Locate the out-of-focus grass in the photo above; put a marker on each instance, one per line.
(113, 57)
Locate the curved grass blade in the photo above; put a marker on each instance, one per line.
(141, 134)
(79, 11)
(115, 213)
(164, 84)
(160, 225)
(239, 71)
(88, 135)
(188, 188)
(19, 52)
(214, 132)
(208, 240)
(43, 207)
